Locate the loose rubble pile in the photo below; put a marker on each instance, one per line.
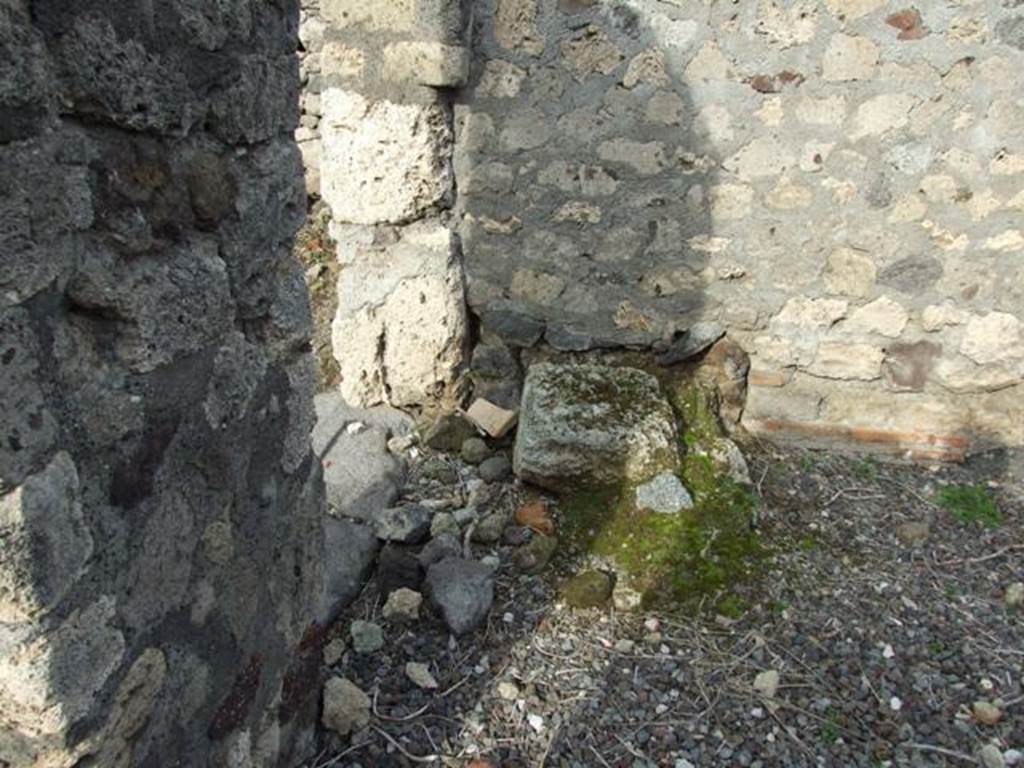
(471, 625)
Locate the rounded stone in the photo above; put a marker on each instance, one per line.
(495, 469)
(475, 450)
(589, 589)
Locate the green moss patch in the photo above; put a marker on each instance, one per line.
(970, 504)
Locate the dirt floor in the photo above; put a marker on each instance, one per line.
(880, 634)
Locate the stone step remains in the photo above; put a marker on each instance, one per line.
(593, 425)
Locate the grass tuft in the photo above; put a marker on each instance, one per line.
(970, 504)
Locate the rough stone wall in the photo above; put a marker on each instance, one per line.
(160, 540)
(307, 136)
(387, 71)
(838, 183)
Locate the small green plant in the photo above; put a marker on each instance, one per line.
(866, 469)
(970, 504)
(808, 462)
(830, 728)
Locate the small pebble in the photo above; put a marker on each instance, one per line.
(992, 757)
(986, 713)
(1014, 597)
(420, 675)
(367, 637)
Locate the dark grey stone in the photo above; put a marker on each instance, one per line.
(495, 469)
(445, 545)
(1011, 31)
(513, 328)
(913, 274)
(398, 568)
(349, 553)
(463, 590)
(404, 525)
(691, 343)
(361, 475)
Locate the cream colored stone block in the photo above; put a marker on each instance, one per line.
(400, 330)
(842, 360)
(501, 79)
(382, 161)
(827, 111)
(378, 15)
(515, 27)
(789, 195)
(883, 316)
(648, 67)
(730, 201)
(882, 114)
(427, 63)
(997, 337)
(342, 60)
(709, 63)
(849, 58)
(764, 156)
(850, 273)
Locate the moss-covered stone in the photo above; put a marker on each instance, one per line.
(585, 425)
(589, 589)
(696, 557)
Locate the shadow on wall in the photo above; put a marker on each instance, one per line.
(585, 179)
(843, 196)
(159, 502)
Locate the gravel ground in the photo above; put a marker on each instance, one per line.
(869, 642)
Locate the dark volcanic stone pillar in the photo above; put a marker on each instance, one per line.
(160, 541)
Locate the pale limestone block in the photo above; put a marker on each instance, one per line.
(935, 317)
(939, 188)
(814, 155)
(390, 15)
(501, 79)
(647, 67)
(959, 374)
(850, 273)
(715, 122)
(342, 60)
(842, 360)
(770, 112)
(787, 25)
(578, 212)
(882, 316)
(789, 195)
(426, 63)
(828, 111)
(907, 209)
(764, 156)
(665, 108)
(730, 201)
(882, 114)
(849, 58)
(1007, 163)
(1009, 240)
(709, 63)
(381, 161)
(997, 337)
(515, 27)
(593, 52)
(983, 203)
(400, 330)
